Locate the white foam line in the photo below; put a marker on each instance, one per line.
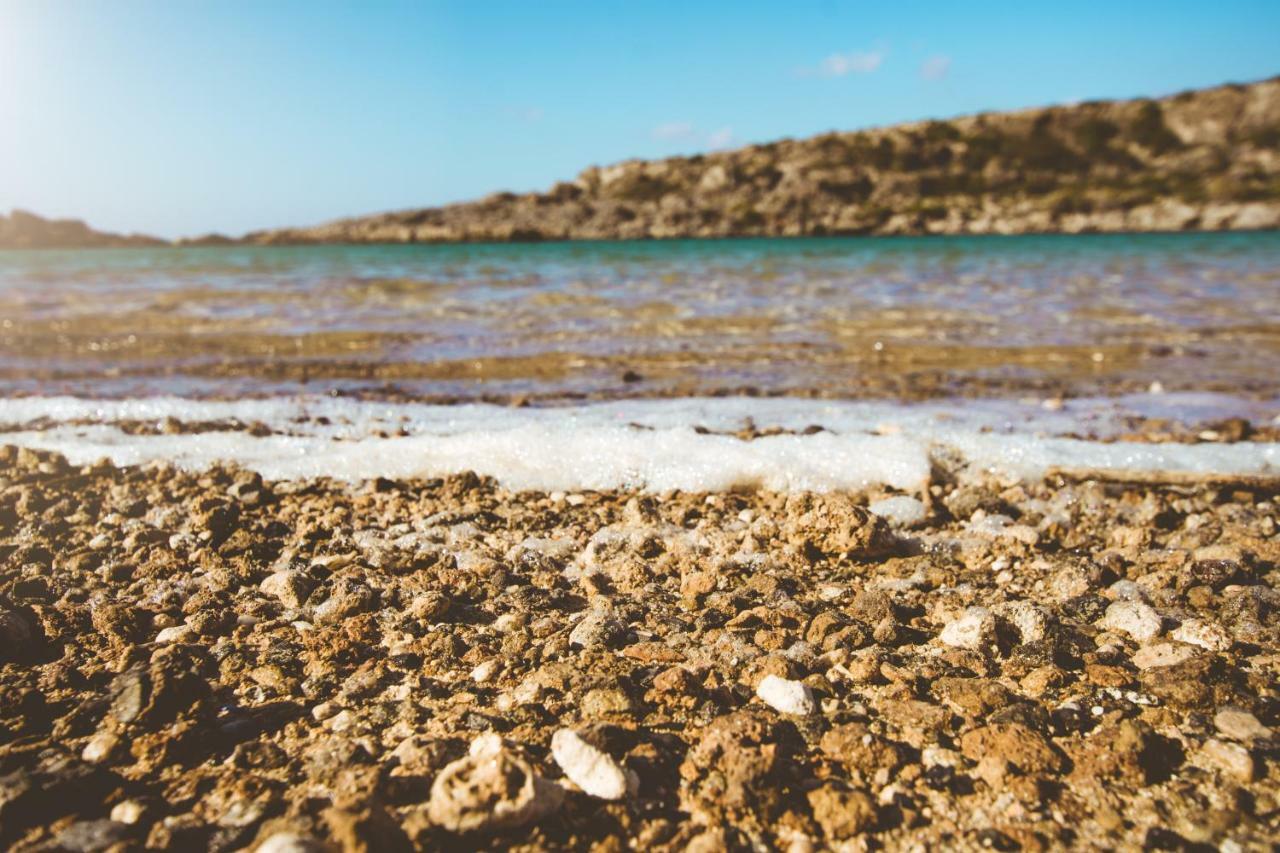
(534, 456)
(599, 446)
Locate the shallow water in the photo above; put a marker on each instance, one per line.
(854, 318)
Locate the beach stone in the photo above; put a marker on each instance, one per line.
(998, 526)
(1140, 621)
(1188, 684)
(787, 696)
(740, 763)
(349, 598)
(1031, 622)
(430, 606)
(90, 836)
(598, 628)
(248, 488)
(1238, 724)
(830, 525)
(974, 629)
(128, 811)
(622, 553)
(1162, 654)
(864, 752)
(291, 588)
(17, 640)
(1231, 758)
(489, 790)
(842, 813)
(1025, 749)
(1206, 635)
(174, 634)
(1129, 752)
(289, 842)
(1126, 590)
(591, 769)
(900, 510)
(100, 747)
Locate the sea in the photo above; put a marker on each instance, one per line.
(776, 363)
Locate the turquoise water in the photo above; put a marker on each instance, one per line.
(778, 315)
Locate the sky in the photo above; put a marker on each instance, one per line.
(180, 117)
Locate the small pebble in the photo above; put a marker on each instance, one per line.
(591, 769)
(787, 696)
(1140, 621)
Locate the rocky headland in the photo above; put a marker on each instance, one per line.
(23, 230)
(1199, 160)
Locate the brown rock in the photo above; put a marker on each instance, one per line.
(1024, 749)
(1128, 752)
(842, 814)
(741, 762)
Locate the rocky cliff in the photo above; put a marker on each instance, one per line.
(23, 230)
(1208, 159)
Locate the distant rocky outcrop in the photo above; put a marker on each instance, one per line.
(1208, 160)
(23, 230)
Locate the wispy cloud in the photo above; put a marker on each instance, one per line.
(720, 138)
(672, 130)
(858, 62)
(844, 64)
(526, 114)
(936, 67)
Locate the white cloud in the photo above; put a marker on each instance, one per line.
(858, 62)
(720, 138)
(673, 130)
(935, 67)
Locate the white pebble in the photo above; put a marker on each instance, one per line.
(1162, 654)
(900, 511)
(1140, 621)
(787, 696)
(99, 747)
(485, 672)
(176, 634)
(1239, 724)
(970, 631)
(129, 811)
(289, 842)
(1206, 635)
(591, 769)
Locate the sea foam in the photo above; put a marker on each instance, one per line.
(690, 444)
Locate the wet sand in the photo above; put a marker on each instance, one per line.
(207, 660)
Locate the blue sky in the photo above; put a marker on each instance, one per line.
(180, 117)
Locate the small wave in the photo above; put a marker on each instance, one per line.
(695, 444)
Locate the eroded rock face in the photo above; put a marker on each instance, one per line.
(490, 790)
(1201, 160)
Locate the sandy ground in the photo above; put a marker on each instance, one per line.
(206, 660)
